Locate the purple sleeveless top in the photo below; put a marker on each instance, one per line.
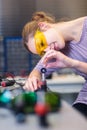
(76, 51)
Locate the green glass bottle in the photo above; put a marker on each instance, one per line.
(53, 100)
(24, 102)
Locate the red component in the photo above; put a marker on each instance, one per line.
(42, 83)
(41, 109)
(3, 84)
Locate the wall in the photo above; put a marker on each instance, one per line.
(63, 8)
(14, 14)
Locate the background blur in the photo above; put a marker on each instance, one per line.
(14, 15)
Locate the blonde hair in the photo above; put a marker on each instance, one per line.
(32, 26)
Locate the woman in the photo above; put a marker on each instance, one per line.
(65, 45)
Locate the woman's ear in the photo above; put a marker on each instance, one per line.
(43, 26)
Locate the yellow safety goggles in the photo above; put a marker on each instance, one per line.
(40, 42)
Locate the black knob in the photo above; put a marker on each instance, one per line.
(43, 70)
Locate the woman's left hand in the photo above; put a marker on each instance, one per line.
(61, 60)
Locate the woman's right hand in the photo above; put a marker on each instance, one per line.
(32, 83)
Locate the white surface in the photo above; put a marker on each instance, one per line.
(66, 119)
(63, 79)
(66, 83)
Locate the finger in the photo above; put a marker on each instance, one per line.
(35, 84)
(49, 58)
(28, 85)
(52, 65)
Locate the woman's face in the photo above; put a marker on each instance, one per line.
(53, 38)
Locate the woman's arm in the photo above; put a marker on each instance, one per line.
(63, 61)
(34, 79)
(81, 66)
